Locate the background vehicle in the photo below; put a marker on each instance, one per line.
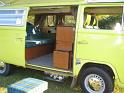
(83, 40)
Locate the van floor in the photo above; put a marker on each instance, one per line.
(46, 61)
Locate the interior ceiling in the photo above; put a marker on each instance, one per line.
(57, 9)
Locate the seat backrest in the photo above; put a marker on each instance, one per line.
(90, 20)
(32, 31)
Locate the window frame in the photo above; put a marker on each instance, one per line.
(17, 16)
(103, 30)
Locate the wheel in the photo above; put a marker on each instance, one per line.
(4, 69)
(96, 80)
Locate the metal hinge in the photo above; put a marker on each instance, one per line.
(78, 61)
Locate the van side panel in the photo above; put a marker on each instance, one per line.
(103, 47)
(12, 47)
(12, 42)
(98, 46)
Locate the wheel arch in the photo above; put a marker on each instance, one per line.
(6, 69)
(108, 67)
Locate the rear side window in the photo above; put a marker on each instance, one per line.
(12, 17)
(107, 18)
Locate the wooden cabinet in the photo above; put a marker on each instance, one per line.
(37, 51)
(64, 38)
(62, 56)
(64, 46)
(65, 34)
(61, 59)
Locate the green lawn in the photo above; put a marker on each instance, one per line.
(54, 87)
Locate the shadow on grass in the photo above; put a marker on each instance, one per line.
(19, 73)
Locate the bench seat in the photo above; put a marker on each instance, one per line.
(38, 42)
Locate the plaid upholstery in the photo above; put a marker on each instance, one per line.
(28, 85)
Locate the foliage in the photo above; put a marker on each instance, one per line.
(108, 22)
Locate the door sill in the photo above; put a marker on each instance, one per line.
(51, 70)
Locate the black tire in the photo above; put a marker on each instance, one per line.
(4, 71)
(97, 73)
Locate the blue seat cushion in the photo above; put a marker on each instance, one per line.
(35, 37)
(38, 42)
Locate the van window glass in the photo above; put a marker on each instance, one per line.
(66, 20)
(2, 3)
(69, 20)
(48, 20)
(102, 17)
(31, 19)
(12, 17)
(51, 20)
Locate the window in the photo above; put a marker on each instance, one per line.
(51, 20)
(66, 20)
(1, 3)
(31, 19)
(48, 20)
(103, 17)
(13, 17)
(69, 20)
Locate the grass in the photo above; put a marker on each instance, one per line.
(54, 87)
(21, 73)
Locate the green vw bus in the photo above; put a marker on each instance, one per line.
(81, 39)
